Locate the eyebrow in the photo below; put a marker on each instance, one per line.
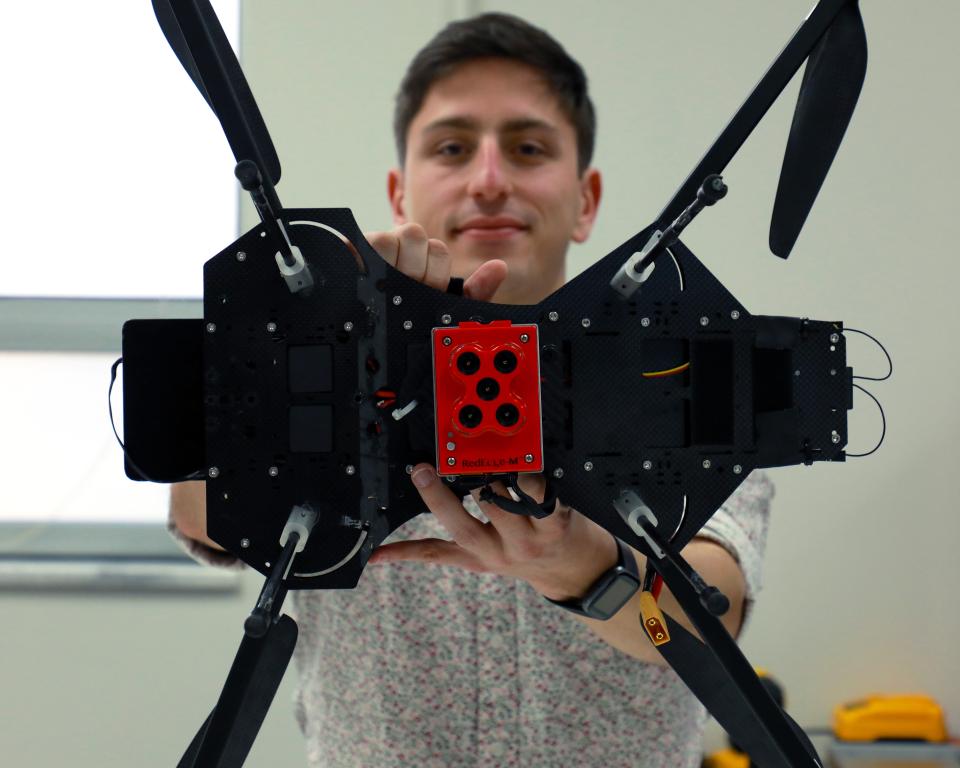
(511, 126)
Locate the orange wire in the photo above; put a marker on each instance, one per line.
(668, 372)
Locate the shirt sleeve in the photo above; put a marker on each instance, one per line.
(200, 552)
(740, 527)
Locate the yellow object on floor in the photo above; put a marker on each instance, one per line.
(880, 716)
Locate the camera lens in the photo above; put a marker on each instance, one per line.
(488, 389)
(468, 363)
(507, 414)
(470, 416)
(505, 361)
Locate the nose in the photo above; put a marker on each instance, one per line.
(489, 179)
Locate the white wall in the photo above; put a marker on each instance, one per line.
(861, 568)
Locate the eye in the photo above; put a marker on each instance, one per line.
(451, 149)
(529, 149)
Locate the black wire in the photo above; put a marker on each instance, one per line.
(883, 418)
(882, 349)
(113, 426)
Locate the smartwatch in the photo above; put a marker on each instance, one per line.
(610, 592)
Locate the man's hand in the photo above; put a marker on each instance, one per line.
(427, 260)
(560, 555)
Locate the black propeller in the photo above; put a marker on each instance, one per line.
(194, 32)
(828, 94)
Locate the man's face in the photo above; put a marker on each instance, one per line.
(491, 169)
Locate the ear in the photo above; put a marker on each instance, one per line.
(395, 194)
(591, 188)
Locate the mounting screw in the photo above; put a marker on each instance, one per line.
(528, 458)
(271, 327)
(553, 315)
(588, 466)
(409, 468)
(524, 338)
(645, 322)
(648, 465)
(348, 326)
(397, 300)
(273, 471)
(211, 327)
(451, 478)
(451, 446)
(737, 469)
(446, 319)
(213, 472)
(833, 371)
(244, 543)
(241, 256)
(585, 322)
(706, 464)
(704, 320)
(447, 341)
(735, 314)
(796, 372)
(350, 469)
(834, 338)
(407, 325)
(558, 473)
(451, 461)
(835, 437)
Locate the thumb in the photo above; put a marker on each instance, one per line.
(485, 280)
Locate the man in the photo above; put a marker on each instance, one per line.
(468, 664)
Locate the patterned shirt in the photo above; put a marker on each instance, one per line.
(437, 667)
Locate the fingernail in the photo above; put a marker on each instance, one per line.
(422, 477)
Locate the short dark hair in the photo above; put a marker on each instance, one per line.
(501, 36)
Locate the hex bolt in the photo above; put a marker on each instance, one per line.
(397, 300)
(647, 464)
(835, 437)
(451, 461)
(585, 322)
(407, 325)
(241, 256)
(273, 471)
(447, 341)
(350, 469)
(446, 319)
(588, 466)
(528, 458)
(558, 473)
(737, 469)
(706, 464)
(524, 338)
(211, 327)
(244, 543)
(213, 472)
(271, 327)
(409, 469)
(735, 314)
(834, 338)
(348, 326)
(553, 315)
(704, 320)
(645, 322)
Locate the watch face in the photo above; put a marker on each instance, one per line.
(613, 598)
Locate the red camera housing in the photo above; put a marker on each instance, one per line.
(486, 379)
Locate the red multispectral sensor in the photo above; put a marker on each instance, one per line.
(486, 379)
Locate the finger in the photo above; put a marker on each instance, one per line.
(438, 265)
(485, 280)
(432, 551)
(465, 529)
(412, 256)
(386, 244)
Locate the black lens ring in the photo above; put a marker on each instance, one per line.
(488, 389)
(507, 414)
(505, 361)
(468, 363)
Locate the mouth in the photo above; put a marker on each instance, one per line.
(491, 228)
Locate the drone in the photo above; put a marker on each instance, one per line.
(319, 375)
